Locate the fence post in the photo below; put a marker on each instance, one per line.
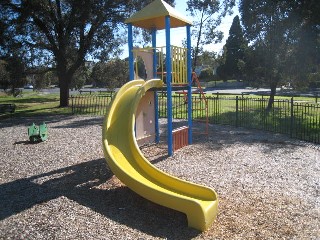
(291, 118)
(72, 104)
(237, 111)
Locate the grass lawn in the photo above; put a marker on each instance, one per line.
(34, 103)
(300, 119)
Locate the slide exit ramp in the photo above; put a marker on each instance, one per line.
(126, 161)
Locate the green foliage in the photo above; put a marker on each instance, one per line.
(111, 74)
(234, 53)
(12, 71)
(51, 78)
(284, 38)
(80, 77)
(64, 33)
(207, 59)
(314, 80)
(4, 75)
(206, 74)
(285, 34)
(209, 14)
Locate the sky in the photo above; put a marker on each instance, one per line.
(179, 34)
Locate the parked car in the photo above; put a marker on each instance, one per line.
(28, 86)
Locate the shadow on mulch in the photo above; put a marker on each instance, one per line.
(92, 184)
(82, 123)
(49, 119)
(28, 120)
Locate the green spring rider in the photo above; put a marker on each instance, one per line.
(38, 134)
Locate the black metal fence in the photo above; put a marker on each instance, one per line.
(298, 119)
(92, 104)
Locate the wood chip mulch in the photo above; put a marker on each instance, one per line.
(268, 185)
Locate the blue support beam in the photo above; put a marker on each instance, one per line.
(189, 75)
(169, 89)
(130, 47)
(154, 45)
(156, 109)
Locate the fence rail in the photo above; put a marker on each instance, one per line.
(93, 104)
(298, 119)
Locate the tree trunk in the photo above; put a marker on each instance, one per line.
(64, 80)
(64, 91)
(272, 94)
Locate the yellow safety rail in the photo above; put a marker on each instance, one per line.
(179, 65)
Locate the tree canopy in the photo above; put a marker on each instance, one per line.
(63, 33)
(12, 73)
(111, 75)
(208, 14)
(284, 37)
(234, 52)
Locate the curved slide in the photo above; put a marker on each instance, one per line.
(126, 161)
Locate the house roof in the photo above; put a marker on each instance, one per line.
(153, 16)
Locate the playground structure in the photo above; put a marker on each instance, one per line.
(199, 104)
(133, 119)
(153, 59)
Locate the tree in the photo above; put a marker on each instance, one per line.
(234, 51)
(277, 29)
(209, 14)
(51, 78)
(64, 33)
(80, 77)
(111, 74)
(13, 73)
(208, 63)
(256, 66)
(207, 58)
(4, 75)
(266, 25)
(305, 61)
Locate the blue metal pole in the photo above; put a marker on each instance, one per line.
(130, 47)
(168, 80)
(154, 45)
(156, 109)
(156, 123)
(189, 75)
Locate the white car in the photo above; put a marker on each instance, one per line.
(28, 86)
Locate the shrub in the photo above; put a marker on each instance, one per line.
(206, 74)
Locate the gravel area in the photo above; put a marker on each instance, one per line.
(268, 185)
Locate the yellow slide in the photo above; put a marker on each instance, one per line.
(126, 161)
